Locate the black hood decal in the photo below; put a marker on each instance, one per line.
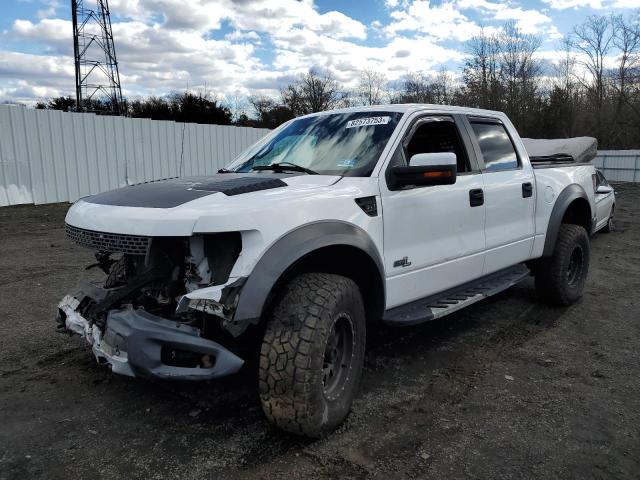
(171, 193)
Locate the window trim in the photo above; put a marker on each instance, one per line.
(409, 130)
(473, 164)
(469, 120)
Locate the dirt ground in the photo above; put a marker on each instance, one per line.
(508, 388)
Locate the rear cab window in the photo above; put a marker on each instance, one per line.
(496, 146)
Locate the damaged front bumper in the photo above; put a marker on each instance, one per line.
(139, 344)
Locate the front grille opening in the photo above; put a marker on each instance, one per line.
(176, 357)
(109, 242)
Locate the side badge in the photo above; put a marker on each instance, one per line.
(403, 262)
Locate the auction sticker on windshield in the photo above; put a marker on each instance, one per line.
(366, 122)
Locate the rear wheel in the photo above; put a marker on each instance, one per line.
(561, 278)
(312, 354)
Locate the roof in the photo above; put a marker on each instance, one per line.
(414, 107)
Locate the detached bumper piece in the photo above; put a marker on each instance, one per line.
(139, 344)
(155, 347)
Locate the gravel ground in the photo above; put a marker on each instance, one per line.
(508, 388)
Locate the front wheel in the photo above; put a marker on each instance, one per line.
(312, 354)
(561, 278)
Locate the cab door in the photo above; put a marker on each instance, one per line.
(509, 191)
(433, 235)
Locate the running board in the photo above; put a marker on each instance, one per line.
(449, 301)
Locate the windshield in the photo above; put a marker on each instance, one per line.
(333, 144)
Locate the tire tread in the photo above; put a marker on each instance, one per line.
(288, 366)
(550, 276)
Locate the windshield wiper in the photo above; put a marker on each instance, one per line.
(284, 166)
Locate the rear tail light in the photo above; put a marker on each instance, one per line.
(594, 179)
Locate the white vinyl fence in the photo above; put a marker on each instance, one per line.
(48, 156)
(619, 165)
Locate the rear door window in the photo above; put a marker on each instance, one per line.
(497, 149)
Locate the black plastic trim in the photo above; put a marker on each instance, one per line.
(284, 253)
(567, 196)
(476, 197)
(537, 166)
(369, 205)
(420, 310)
(143, 335)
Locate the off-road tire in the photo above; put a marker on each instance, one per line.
(608, 228)
(558, 279)
(293, 374)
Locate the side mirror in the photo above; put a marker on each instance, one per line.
(427, 169)
(604, 189)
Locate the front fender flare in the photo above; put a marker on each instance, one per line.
(286, 251)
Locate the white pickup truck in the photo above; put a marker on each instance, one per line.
(399, 213)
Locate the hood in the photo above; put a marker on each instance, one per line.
(224, 202)
(175, 192)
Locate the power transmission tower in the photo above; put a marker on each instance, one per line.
(95, 56)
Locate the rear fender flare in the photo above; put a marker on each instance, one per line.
(565, 199)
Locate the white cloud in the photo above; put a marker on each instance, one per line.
(564, 4)
(239, 35)
(626, 4)
(595, 4)
(529, 21)
(451, 18)
(28, 77)
(443, 21)
(49, 10)
(53, 33)
(166, 45)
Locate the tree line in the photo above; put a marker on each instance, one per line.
(593, 88)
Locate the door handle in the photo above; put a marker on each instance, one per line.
(527, 190)
(476, 197)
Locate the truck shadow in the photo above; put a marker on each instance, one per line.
(228, 410)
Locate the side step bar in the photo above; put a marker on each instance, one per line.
(449, 301)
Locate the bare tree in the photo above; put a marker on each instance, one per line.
(565, 69)
(372, 87)
(415, 88)
(480, 74)
(269, 112)
(594, 40)
(443, 87)
(627, 40)
(313, 92)
(564, 96)
(519, 70)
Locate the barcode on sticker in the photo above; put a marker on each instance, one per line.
(366, 122)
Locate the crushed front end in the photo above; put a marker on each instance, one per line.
(141, 321)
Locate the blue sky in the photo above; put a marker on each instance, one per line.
(236, 48)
